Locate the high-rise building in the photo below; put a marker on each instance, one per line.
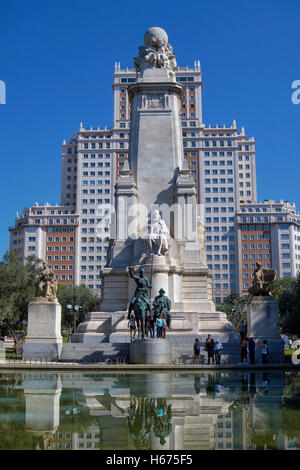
(221, 159)
(268, 233)
(49, 233)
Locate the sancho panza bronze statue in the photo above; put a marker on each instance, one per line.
(162, 304)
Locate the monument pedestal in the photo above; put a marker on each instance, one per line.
(151, 351)
(43, 340)
(263, 324)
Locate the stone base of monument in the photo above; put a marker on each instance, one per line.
(263, 324)
(151, 351)
(43, 340)
(108, 332)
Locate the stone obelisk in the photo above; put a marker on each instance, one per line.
(157, 222)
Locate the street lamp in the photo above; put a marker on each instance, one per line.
(75, 309)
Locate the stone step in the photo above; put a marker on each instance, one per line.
(89, 353)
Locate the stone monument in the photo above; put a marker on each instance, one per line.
(44, 340)
(263, 314)
(157, 222)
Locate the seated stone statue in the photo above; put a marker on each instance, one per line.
(262, 282)
(159, 234)
(47, 284)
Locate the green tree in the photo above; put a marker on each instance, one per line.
(76, 295)
(287, 292)
(17, 288)
(282, 285)
(235, 308)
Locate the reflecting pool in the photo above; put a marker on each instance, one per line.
(155, 411)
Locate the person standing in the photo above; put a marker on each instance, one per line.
(210, 348)
(264, 351)
(242, 329)
(164, 326)
(251, 345)
(152, 327)
(218, 351)
(159, 326)
(132, 326)
(244, 350)
(197, 350)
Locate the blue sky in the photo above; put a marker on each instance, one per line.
(57, 60)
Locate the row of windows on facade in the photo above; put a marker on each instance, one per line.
(93, 191)
(93, 173)
(49, 229)
(93, 230)
(218, 162)
(218, 286)
(216, 238)
(221, 209)
(91, 248)
(55, 221)
(60, 248)
(218, 181)
(93, 201)
(217, 247)
(55, 239)
(219, 229)
(224, 267)
(217, 199)
(218, 266)
(84, 267)
(92, 156)
(62, 267)
(95, 182)
(101, 136)
(41, 212)
(259, 246)
(94, 239)
(256, 256)
(257, 227)
(209, 220)
(228, 189)
(260, 219)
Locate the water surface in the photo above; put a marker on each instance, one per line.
(155, 410)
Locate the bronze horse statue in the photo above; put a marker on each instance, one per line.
(140, 309)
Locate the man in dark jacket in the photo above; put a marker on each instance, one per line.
(197, 349)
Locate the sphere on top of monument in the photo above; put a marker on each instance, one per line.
(155, 37)
(156, 53)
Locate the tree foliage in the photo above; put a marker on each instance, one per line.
(235, 308)
(76, 295)
(287, 293)
(17, 288)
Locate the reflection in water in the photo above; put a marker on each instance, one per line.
(168, 411)
(146, 415)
